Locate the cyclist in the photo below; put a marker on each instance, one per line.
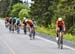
(7, 20)
(60, 27)
(31, 28)
(10, 24)
(18, 25)
(25, 24)
(14, 24)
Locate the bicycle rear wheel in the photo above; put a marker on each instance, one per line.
(61, 42)
(58, 42)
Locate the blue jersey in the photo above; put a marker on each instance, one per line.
(14, 20)
(17, 21)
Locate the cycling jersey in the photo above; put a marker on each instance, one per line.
(17, 21)
(14, 20)
(24, 22)
(7, 20)
(30, 22)
(60, 23)
(10, 20)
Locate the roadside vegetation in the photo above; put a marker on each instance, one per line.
(46, 13)
(51, 32)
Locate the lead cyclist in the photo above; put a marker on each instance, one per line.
(60, 28)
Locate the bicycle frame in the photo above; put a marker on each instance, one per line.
(60, 40)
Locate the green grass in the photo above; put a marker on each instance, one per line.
(45, 30)
(51, 32)
(69, 37)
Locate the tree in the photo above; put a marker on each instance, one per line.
(49, 10)
(24, 13)
(5, 6)
(17, 8)
(40, 11)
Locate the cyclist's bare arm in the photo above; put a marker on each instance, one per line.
(57, 26)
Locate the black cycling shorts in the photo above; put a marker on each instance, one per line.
(61, 29)
(31, 26)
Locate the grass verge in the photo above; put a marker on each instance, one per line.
(51, 31)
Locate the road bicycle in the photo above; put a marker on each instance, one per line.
(60, 40)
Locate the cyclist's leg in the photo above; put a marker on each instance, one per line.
(62, 38)
(61, 41)
(25, 29)
(10, 27)
(28, 27)
(58, 41)
(13, 27)
(30, 32)
(17, 28)
(33, 33)
(58, 35)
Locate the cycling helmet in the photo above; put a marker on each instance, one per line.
(26, 20)
(59, 19)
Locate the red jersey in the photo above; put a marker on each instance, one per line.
(7, 19)
(60, 23)
(30, 22)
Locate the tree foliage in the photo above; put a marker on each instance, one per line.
(24, 13)
(5, 6)
(49, 10)
(19, 9)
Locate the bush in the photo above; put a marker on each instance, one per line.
(69, 36)
(24, 13)
(72, 30)
(52, 32)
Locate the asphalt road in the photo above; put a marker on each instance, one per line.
(13, 43)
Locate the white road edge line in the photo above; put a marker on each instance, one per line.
(54, 42)
(12, 51)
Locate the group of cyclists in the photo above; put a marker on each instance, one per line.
(28, 24)
(14, 24)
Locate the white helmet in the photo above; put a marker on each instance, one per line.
(26, 20)
(59, 19)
